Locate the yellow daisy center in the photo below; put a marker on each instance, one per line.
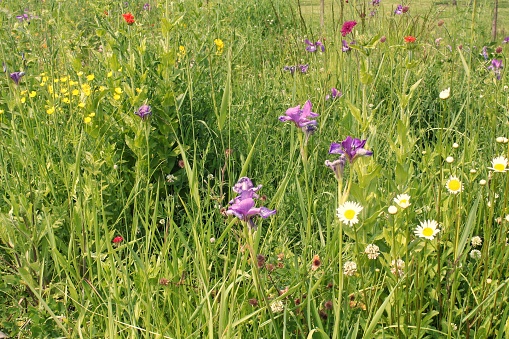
(403, 202)
(349, 214)
(427, 232)
(499, 167)
(454, 185)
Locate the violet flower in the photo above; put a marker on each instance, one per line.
(345, 47)
(304, 68)
(16, 76)
(146, 7)
(352, 148)
(485, 52)
(144, 111)
(399, 10)
(375, 2)
(291, 69)
(337, 166)
(334, 94)
(496, 66)
(300, 116)
(243, 206)
(348, 27)
(312, 47)
(506, 40)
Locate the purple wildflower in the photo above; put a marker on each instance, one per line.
(399, 10)
(337, 166)
(16, 76)
(146, 7)
(348, 27)
(375, 2)
(313, 46)
(334, 94)
(291, 69)
(485, 52)
(300, 116)
(303, 68)
(506, 40)
(352, 148)
(144, 111)
(496, 66)
(345, 47)
(243, 206)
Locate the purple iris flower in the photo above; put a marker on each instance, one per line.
(506, 40)
(291, 69)
(313, 46)
(345, 47)
(399, 9)
(16, 76)
(334, 94)
(144, 111)
(352, 148)
(245, 210)
(337, 166)
(304, 68)
(300, 116)
(496, 66)
(243, 206)
(485, 52)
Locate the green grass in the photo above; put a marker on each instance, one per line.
(78, 169)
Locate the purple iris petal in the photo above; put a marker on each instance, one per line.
(352, 148)
(337, 166)
(291, 69)
(16, 76)
(399, 9)
(300, 116)
(345, 47)
(144, 111)
(506, 40)
(303, 68)
(146, 6)
(313, 46)
(496, 66)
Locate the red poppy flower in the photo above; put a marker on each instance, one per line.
(129, 18)
(409, 39)
(118, 239)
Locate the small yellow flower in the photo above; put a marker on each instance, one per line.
(79, 73)
(92, 114)
(63, 79)
(50, 89)
(81, 105)
(75, 92)
(110, 74)
(51, 110)
(86, 89)
(90, 77)
(120, 69)
(32, 94)
(182, 50)
(23, 100)
(66, 100)
(73, 83)
(87, 120)
(219, 46)
(56, 81)
(102, 88)
(138, 90)
(2, 111)
(63, 90)
(23, 92)
(116, 97)
(118, 90)
(42, 84)
(44, 79)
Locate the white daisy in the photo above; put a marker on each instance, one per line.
(403, 200)
(454, 185)
(499, 164)
(349, 212)
(427, 229)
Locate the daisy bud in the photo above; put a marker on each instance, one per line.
(392, 209)
(449, 159)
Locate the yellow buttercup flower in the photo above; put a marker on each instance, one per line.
(116, 97)
(51, 110)
(32, 94)
(2, 111)
(81, 105)
(66, 100)
(110, 74)
(75, 92)
(86, 89)
(219, 46)
(87, 120)
(23, 100)
(182, 50)
(63, 79)
(79, 73)
(118, 90)
(102, 88)
(92, 114)
(90, 77)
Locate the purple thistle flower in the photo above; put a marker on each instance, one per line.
(337, 166)
(506, 40)
(348, 27)
(345, 47)
(300, 116)
(399, 10)
(352, 148)
(144, 111)
(16, 76)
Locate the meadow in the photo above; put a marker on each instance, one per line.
(241, 169)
